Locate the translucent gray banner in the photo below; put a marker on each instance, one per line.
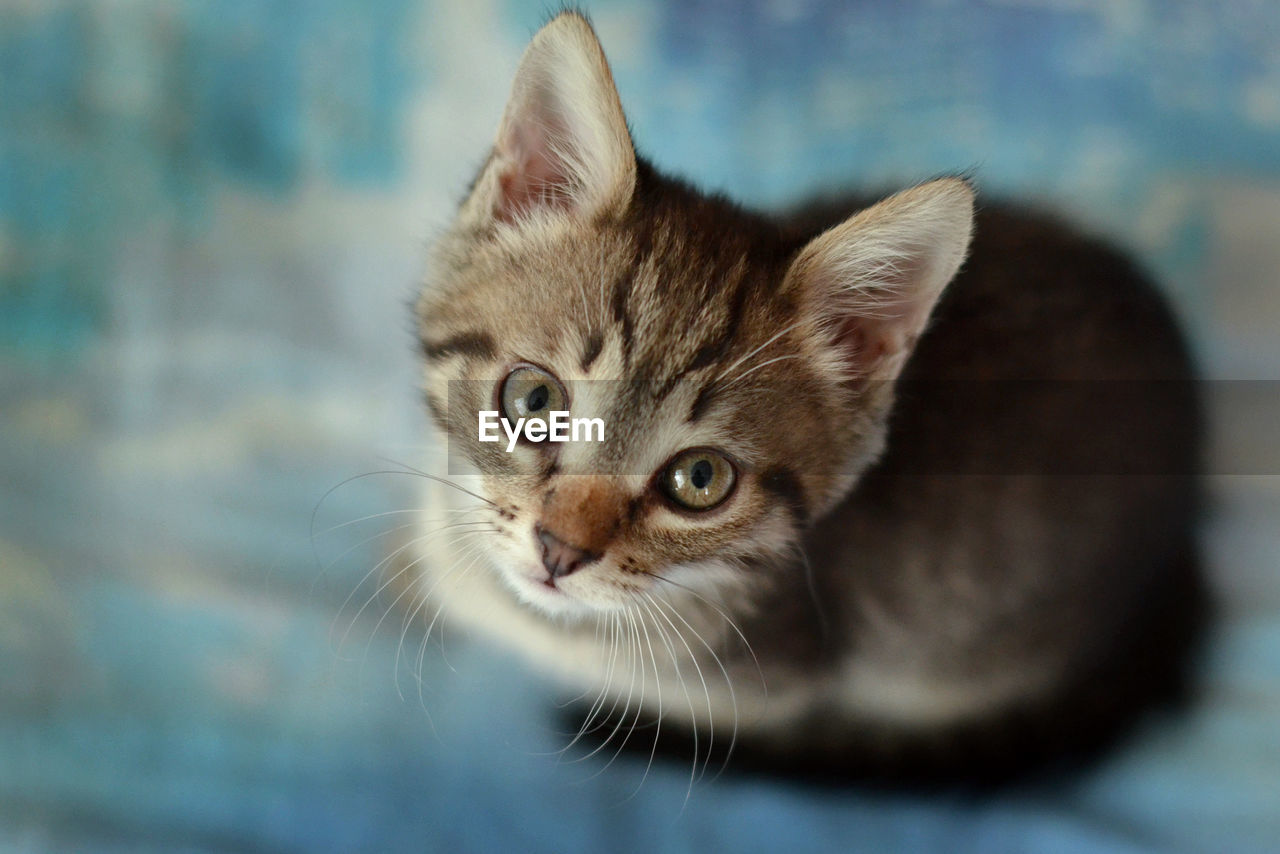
(961, 427)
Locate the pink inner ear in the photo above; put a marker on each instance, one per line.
(535, 176)
(867, 342)
(862, 347)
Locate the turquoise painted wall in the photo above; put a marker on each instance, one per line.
(212, 214)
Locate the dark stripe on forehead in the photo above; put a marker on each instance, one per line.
(712, 350)
(702, 402)
(594, 344)
(642, 238)
(477, 344)
(718, 343)
(618, 306)
(783, 483)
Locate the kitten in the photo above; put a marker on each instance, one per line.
(857, 509)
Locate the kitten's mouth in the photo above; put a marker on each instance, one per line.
(539, 588)
(545, 595)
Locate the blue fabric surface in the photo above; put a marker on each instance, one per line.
(211, 215)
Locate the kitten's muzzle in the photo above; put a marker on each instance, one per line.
(559, 557)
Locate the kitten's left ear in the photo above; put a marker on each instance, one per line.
(868, 285)
(563, 143)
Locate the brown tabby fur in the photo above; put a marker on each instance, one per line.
(988, 564)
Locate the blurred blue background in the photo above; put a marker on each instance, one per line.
(212, 215)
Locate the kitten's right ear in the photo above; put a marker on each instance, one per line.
(563, 144)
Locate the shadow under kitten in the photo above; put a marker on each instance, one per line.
(1148, 679)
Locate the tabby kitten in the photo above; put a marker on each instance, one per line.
(844, 519)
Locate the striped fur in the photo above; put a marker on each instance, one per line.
(845, 596)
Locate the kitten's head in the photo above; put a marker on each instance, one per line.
(743, 374)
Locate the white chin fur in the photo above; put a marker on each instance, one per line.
(536, 595)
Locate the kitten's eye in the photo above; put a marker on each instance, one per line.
(698, 479)
(530, 392)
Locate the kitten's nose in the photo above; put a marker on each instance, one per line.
(559, 557)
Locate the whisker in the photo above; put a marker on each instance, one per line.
(775, 337)
(811, 582)
(586, 307)
(564, 704)
(420, 663)
(653, 658)
(323, 498)
(745, 374)
(657, 735)
(409, 617)
(597, 705)
(376, 567)
(475, 558)
(423, 600)
(408, 469)
(416, 541)
(323, 570)
(633, 634)
(728, 681)
(712, 605)
(372, 516)
(365, 657)
(604, 310)
(408, 588)
(693, 716)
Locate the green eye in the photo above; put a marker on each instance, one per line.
(530, 392)
(698, 479)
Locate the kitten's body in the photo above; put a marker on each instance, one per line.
(1013, 578)
(1016, 579)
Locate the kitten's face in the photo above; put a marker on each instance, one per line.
(742, 378)
(667, 341)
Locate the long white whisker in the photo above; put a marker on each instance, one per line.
(745, 374)
(775, 337)
(633, 647)
(409, 617)
(408, 469)
(420, 664)
(330, 565)
(596, 644)
(348, 524)
(408, 588)
(376, 567)
(422, 604)
(733, 697)
(693, 715)
(684, 688)
(586, 307)
(440, 610)
(604, 312)
(729, 620)
(657, 735)
(597, 706)
(422, 538)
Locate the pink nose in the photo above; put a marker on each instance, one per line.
(559, 557)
